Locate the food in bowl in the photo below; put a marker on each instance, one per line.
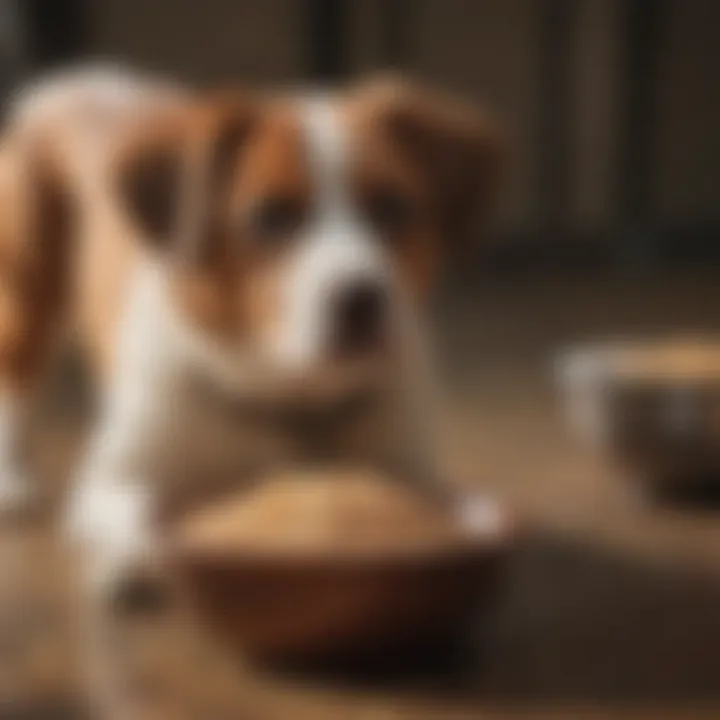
(329, 510)
(670, 361)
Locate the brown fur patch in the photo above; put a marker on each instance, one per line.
(383, 168)
(35, 235)
(458, 149)
(228, 286)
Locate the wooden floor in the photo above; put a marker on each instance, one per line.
(612, 607)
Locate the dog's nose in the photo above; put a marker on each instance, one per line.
(360, 317)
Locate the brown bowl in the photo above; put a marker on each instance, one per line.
(652, 408)
(278, 608)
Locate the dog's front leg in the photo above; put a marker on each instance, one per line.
(415, 447)
(111, 531)
(111, 520)
(414, 417)
(122, 574)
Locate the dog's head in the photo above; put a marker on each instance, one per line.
(299, 233)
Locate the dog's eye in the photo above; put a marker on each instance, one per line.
(277, 217)
(390, 212)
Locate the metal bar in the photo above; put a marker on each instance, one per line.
(556, 25)
(57, 31)
(641, 30)
(327, 41)
(13, 50)
(395, 39)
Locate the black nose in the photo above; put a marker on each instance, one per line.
(360, 317)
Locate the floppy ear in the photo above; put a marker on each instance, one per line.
(38, 211)
(172, 177)
(52, 210)
(459, 148)
(147, 179)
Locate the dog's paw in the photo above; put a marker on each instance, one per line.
(130, 579)
(139, 593)
(111, 525)
(129, 586)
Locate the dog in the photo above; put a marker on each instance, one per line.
(247, 273)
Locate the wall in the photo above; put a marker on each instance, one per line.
(492, 50)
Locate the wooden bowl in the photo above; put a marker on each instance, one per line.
(653, 408)
(306, 608)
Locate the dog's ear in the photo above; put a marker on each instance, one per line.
(459, 148)
(173, 176)
(52, 209)
(37, 220)
(147, 178)
(38, 208)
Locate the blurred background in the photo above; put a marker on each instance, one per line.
(610, 227)
(611, 103)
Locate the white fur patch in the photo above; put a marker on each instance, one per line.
(100, 87)
(335, 250)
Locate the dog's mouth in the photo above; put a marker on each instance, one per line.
(319, 389)
(255, 375)
(332, 385)
(339, 379)
(303, 406)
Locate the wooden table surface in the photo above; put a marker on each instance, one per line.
(612, 607)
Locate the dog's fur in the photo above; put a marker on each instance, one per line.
(197, 244)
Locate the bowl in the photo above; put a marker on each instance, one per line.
(298, 607)
(652, 407)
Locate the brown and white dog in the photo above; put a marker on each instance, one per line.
(247, 273)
